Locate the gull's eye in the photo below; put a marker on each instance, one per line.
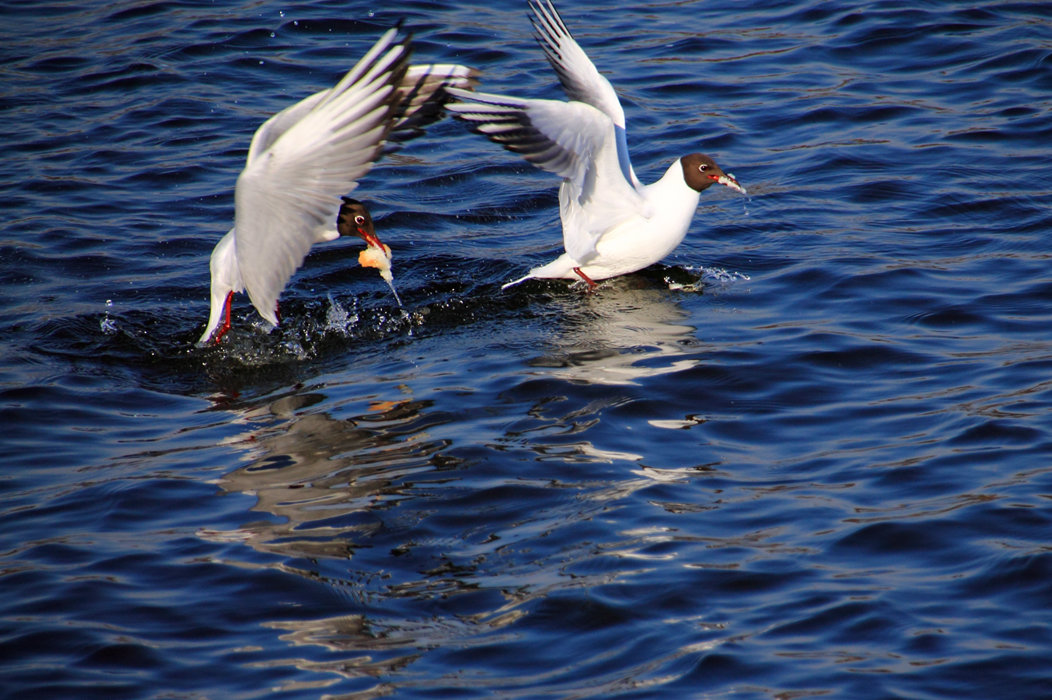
(703, 167)
(359, 219)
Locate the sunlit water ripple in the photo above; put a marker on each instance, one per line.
(806, 455)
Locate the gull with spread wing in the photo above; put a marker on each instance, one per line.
(304, 158)
(612, 223)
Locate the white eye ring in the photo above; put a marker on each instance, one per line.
(359, 219)
(703, 167)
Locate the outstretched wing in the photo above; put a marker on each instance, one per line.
(579, 77)
(302, 160)
(571, 139)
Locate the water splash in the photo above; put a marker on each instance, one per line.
(717, 279)
(107, 325)
(707, 278)
(338, 318)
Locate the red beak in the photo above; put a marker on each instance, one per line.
(370, 238)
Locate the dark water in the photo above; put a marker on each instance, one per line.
(810, 454)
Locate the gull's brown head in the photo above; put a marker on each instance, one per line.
(354, 219)
(700, 171)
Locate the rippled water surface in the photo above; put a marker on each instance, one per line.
(809, 454)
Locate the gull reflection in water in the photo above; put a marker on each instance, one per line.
(333, 489)
(621, 334)
(321, 475)
(628, 334)
(342, 495)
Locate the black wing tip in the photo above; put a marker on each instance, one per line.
(548, 15)
(422, 101)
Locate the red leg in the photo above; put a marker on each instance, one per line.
(586, 278)
(226, 322)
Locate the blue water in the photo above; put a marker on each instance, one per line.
(809, 454)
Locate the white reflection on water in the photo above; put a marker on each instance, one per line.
(622, 334)
(311, 470)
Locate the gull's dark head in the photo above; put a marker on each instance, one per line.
(354, 219)
(700, 171)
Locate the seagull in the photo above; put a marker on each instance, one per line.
(303, 158)
(612, 223)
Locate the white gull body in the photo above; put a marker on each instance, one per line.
(303, 159)
(612, 224)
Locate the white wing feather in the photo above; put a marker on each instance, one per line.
(281, 122)
(301, 161)
(571, 139)
(579, 77)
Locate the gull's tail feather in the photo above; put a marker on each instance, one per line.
(515, 282)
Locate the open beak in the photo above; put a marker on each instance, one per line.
(370, 239)
(728, 180)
